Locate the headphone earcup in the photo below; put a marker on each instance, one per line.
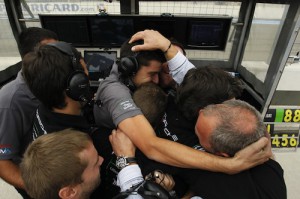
(78, 86)
(128, 66)
(153, 190)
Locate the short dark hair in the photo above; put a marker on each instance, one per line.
(31, 37)
(46, 71)
(152, 100)
(143, 57)
(204, 86)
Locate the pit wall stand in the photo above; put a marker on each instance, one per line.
(283, 124)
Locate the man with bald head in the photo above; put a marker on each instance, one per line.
(224, 129)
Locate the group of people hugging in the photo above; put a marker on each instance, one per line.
(157, 127)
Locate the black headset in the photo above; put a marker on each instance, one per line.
(128, 66)
(148, 190)
(78, 85)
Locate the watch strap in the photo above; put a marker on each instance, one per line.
(123, 161)
(131, 160)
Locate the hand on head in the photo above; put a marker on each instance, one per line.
(254, 154)
(121, 144)
(153, 40)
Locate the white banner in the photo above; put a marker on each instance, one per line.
(65, 8)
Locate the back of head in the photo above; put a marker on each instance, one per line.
(204, 86)
(239, 124)
(130, 61)
(52, 161)
(47, 71)
(152, 100)
(31, 37)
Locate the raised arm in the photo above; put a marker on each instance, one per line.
(178, 64)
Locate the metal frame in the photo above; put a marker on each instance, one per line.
(282, 50)
(14, 13)
(241, 34)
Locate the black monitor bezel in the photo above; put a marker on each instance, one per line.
(181, 30)
(226, 21)
(44, 19)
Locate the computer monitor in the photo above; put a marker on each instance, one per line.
(99, 63)
(208, 33)
(71, 29)
(110, 31)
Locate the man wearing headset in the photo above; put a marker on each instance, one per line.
(56, 77)
(17, 105)
(54, 74)
(116, 101)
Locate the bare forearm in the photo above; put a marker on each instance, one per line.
(142, 135)
(169, 152)
(175, 154)
(10, 173)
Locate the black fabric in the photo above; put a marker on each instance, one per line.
(174, 127)
(50, 121)
(261, 182)
(107, 188)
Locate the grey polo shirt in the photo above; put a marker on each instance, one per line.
(117, 103)
(116, 100)
(17, 106)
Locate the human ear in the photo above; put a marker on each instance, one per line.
(67, 192)
(223, 154)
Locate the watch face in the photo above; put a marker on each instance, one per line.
(121, 162)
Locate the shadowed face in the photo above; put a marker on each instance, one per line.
(91, 174)
(147, 73)
(204, 128)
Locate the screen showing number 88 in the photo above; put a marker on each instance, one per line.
(291, 115)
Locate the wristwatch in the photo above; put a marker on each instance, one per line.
(123, 161)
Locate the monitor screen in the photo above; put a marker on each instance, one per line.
(99, 63)
(109, 31)
(165, 26)
(208, 34)
(71, 29)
